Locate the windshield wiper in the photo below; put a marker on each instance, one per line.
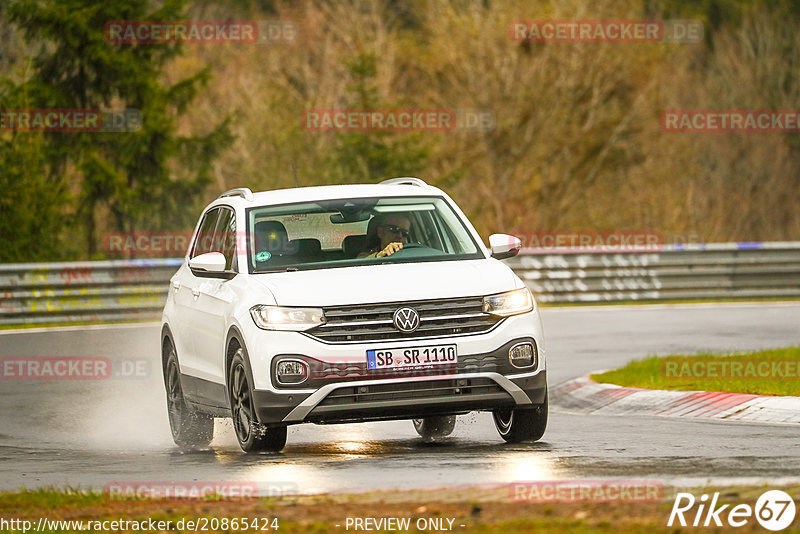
(279, 270)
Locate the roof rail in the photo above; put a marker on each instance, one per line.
(405, 180)
(243, 192)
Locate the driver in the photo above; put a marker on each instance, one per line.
(392, 233)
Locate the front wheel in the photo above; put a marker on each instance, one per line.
(251, 435)
(190, 429)
(435, 427)
(522, 424)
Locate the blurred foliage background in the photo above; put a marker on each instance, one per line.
(578, 143)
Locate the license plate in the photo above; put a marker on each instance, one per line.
(412, 357)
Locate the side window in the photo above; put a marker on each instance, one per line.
(225, 236)
(205, 233)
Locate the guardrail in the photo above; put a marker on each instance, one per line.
(84, 291)
(710, 271)
(136, 289)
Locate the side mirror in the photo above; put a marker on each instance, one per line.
(210, 265)
(504, 246)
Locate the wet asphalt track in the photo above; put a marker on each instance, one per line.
(87, 434)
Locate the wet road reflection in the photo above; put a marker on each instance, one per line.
(89, 434)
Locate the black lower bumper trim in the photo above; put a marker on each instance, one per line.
(535, 387)
(272, 408)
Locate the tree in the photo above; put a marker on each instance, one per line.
(141, 179)
(370, 155)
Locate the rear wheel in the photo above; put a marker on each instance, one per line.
(252, 435)
(522, 424)
(439, 426)
(190, 428)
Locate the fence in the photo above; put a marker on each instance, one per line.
(84, 291)
(120, 290)
(713, 271)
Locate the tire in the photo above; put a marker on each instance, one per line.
(516, 425)
(190, 428)
(251, 435)
(439, 426)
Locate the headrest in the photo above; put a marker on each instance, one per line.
(305, 248)
(271, 236)
(353, 244)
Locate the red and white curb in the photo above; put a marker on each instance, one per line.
(586, 396)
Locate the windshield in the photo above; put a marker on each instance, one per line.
(338, 233)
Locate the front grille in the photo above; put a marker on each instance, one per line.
(373, 322)
(407, 391)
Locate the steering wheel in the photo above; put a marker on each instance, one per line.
(414, 249)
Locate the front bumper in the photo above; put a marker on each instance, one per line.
(333, 394)
(401, 398)
(346, 361)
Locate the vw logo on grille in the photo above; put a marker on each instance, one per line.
(406, 319)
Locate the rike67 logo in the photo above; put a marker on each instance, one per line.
(774, 510)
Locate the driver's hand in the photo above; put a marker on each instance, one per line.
(390, 249)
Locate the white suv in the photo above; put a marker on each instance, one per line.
(348, 303)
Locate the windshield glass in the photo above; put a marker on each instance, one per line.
(338, 233)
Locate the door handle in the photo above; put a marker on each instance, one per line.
(196, 293)
(176, 285)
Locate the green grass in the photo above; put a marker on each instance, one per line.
(654, 373)
(480, 510)
(45, 499)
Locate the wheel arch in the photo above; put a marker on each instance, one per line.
(166, 337)
(235, 339)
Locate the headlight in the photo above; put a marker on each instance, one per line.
(280, 318)
(509, 303)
